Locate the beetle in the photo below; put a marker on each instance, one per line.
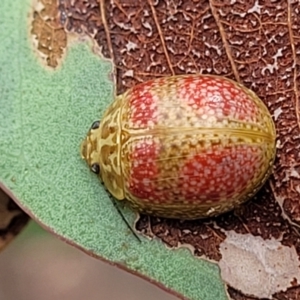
(185, 147)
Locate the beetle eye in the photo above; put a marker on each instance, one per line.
(95, 125)
(95, 168)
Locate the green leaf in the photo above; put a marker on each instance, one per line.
(44, 115)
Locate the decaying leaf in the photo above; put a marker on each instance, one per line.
(48, 33)
(253, 42)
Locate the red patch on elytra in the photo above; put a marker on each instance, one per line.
(211, 176)
(220, 175)
(142, 105)
(143, 170)
(219, 96)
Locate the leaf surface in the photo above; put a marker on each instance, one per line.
(45, 114)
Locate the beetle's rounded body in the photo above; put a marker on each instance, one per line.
(186, 147)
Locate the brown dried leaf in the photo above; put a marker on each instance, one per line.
(253, 42)
(49, 35)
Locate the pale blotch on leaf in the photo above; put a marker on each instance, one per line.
(258, 267)
(49, 36)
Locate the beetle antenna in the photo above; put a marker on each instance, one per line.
(124, 219)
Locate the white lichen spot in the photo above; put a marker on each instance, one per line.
(129, 73)
(277, 113)
(258, 267)
(131, 46)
